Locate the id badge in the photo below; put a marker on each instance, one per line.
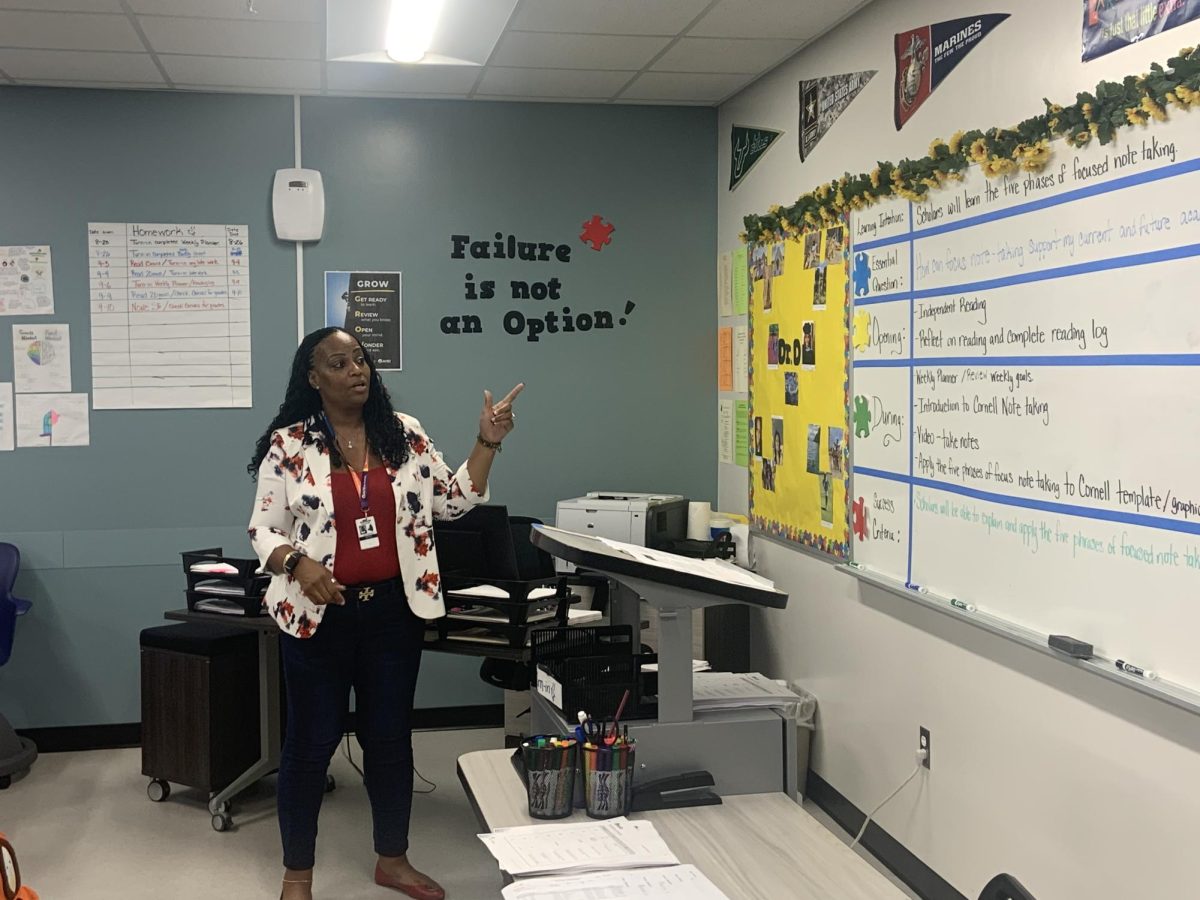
(368, 536)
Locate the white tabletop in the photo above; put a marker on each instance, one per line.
(753, 846)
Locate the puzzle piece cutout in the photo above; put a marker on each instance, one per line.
(859, 508)
(597, 232)
(862, 274)
(862, 417)
(862, 330)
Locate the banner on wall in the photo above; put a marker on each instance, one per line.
(1109, 25)
(822, 101)
(926, 55)
(748, 145)
(367, 304)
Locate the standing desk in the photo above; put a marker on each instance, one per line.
(752, 847)
(748, 751)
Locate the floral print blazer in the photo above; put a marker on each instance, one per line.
(294, 505)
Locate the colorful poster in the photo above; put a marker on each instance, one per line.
(741, 359)
(41, 358)
(367, 304)
(1109, 25)
(799, 347)
(741, 282)
(741, 433)
(926, 55)
(725, 432)
(725, 359)
(52, 420)
(26, 283)
(822, 101)
(747, 147)
(7, 428)
(725, 284)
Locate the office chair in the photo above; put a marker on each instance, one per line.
(1005, 887)
(16, 753)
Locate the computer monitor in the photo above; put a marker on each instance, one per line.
(478, 546)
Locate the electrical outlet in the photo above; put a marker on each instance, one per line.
(926, 747)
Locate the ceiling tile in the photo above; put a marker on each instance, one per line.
(60, 31)
(608, 17)
(77, 65)
(575, 51)
(772, 18)
(397, 79)
(689, 87)
(301, 75)
(228, 37)
(98, 85)
(502, 98)
(724, 55)
(267, 10)
(95, 6)
(566, 83)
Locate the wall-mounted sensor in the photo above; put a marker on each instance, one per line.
(298, 203)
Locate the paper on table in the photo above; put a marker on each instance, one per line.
(221, 568)
(725, 439)
(725, 359)
(578, 847)
(41, 358)
(741, 283)
(730, 690)
(698, 665)
(26, 283)
(725, 284)
(718, 569)
(8, 431)
(741, 359)
(497, 593)
(52, 420)
(684, 882)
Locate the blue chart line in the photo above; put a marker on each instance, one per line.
(1184, 251)
(1116, 359)
(1093, 190)
(1063, 509)
(912, 390)
(882, 298)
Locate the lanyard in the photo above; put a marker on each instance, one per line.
(359, 485)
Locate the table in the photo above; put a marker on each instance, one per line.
(270, 732)
(753, 847)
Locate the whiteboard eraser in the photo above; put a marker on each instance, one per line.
(1071, 646)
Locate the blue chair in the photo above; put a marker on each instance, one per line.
(16, 753)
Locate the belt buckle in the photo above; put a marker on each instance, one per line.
(365, 594)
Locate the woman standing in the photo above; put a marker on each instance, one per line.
(347, 493)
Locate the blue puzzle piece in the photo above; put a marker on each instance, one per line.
(862, 274)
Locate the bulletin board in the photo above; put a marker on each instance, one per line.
(799, 389)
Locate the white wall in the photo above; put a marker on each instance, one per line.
(1079, 787)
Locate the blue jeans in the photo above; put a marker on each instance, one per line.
(374, 646)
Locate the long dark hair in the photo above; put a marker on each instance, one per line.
(301, 402)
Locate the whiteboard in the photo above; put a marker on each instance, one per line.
(1026, 395)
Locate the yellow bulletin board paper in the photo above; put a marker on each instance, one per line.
(799, 389)
(741, 290)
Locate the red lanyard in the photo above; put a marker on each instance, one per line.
(361, 487)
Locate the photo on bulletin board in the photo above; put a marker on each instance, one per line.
(799, 397)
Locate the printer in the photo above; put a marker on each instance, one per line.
(648, 520)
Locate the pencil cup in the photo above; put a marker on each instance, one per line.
(550, 772)
(607, 780)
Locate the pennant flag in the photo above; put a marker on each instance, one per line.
(1109, 25)
(926, 55)
(822, 101)
(749, 144)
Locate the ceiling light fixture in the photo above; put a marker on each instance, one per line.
(411, 24)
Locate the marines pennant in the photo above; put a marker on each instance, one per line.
(749, 144)
(926, 55)
(822, 101)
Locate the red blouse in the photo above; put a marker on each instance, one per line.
(352, 564)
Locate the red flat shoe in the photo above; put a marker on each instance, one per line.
(416, 891)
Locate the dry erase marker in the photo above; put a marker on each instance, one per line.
(958, 604)
(1130, 669)
(916, 587)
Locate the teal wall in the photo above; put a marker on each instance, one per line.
(101, 527)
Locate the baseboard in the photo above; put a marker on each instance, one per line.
(73, 738)
(921, 879)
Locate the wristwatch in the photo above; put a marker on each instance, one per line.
(291, 561)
